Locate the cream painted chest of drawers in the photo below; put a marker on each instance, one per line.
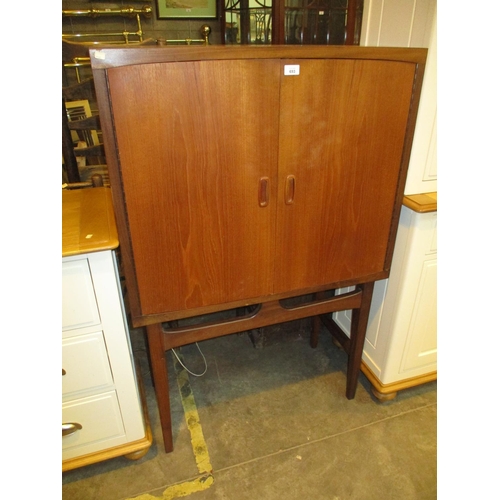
(102, 411)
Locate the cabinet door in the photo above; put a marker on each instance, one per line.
(342, 129)
(198, 162)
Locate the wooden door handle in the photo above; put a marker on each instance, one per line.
(263, 191)
(289, 189)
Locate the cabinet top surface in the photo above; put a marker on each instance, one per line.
(111, 57)
(421, 203)
(88, 221)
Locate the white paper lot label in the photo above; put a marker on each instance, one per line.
(292, 69)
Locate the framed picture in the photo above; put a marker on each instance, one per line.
(185, 9)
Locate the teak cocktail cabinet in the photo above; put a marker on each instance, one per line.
(246, 177)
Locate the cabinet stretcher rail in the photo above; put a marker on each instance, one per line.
(268, 313)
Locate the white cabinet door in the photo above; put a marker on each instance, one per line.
(421, 344)
(411, 23)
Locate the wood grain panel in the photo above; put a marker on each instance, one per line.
(342, 131)
(194, 145)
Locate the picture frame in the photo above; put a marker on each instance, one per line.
(187, 9)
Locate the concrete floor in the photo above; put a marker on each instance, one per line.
(276, 425)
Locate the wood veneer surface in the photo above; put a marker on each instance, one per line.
(194, 135)
(88, 221)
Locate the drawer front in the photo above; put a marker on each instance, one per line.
(100, 420)
(85, 363)
(79, 306)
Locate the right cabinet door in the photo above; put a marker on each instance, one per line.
(342, 131)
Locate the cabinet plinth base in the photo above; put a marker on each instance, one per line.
(136, 455)
(387, 392)
(128, 450)
(384, 397)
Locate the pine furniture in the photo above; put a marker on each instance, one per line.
(103, 411)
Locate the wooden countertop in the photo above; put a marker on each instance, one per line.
(421, 203)
(88, 221)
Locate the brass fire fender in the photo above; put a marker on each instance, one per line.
(125, 12)
(79, 62)
(146, 11)
(129, 12)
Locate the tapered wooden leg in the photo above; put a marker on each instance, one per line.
(160, 377)
(359, 323)
(316, 323)
(316, 326)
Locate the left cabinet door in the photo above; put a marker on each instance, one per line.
(198, 162)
